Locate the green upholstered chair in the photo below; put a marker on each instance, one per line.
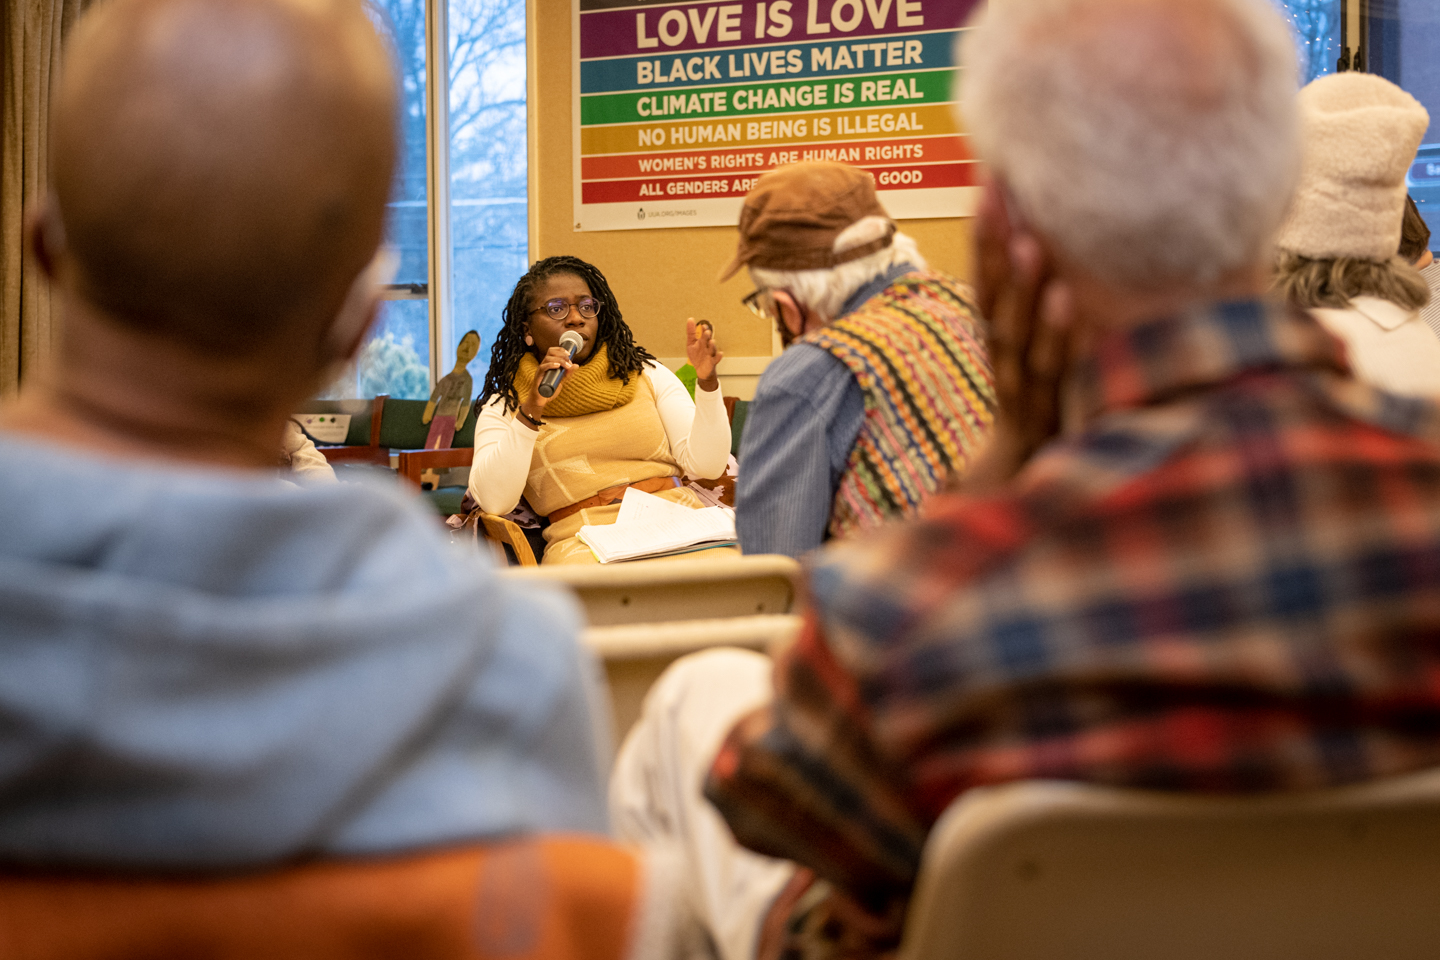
(387, 425)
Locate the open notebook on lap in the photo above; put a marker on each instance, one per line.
(650, 526)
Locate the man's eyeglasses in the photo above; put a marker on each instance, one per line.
(762, 304)
(559, 309)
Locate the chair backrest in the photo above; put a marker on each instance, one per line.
(553, 898)
(643, 616)
(405, 429)
(1043, 871)
(366, 417)
(636, 654)
(636, 641)
(413, 463)
(683, 589)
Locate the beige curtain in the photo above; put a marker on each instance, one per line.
(32, 32)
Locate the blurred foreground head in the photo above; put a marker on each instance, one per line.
(1153, 143)
(220, 169)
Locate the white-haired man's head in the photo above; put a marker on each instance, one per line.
(1153, 143)
(817, 232)
(825, 291)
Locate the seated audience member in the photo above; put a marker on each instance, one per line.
(299, 455)
(205, 667)
(838, 438)
(1415, 237)
(1415, 248)
(618, 419)
(1193, 556)
(1337, 249)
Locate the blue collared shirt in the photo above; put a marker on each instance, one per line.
(804, 419)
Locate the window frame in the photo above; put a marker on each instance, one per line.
(440, 284)
(437, 178)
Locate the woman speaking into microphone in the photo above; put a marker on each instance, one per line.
(616, 418)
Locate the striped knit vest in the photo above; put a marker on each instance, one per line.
(917, 352)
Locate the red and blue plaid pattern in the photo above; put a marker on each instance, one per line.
(1227, 579)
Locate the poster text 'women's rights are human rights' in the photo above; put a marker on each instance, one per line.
(679, 107)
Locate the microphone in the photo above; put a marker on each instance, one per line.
(572, 342)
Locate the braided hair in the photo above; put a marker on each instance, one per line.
(626, 356)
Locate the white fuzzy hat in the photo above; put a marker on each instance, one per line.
(1360, 135)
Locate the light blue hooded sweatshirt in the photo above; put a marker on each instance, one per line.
(209, 668)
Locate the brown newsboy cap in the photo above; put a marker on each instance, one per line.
(792, 217)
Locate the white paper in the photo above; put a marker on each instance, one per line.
(639, 507)
(649, 525)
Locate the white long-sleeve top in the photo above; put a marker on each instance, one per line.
(698, 431)
(305, 461)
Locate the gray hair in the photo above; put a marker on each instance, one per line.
(1166, 154)
(825, 291)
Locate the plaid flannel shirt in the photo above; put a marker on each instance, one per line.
(1227, 578)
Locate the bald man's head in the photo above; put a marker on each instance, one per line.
(220, 167)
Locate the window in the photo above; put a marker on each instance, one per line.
(1317, 34)
(489, 223)
(463, 205)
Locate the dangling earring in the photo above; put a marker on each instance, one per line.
(529, 340)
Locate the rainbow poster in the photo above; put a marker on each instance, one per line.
(679, 107)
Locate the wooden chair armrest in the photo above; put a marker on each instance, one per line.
(415, 462)
(499, 530)
(380, 456)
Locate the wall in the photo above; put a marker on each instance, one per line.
(660, 276)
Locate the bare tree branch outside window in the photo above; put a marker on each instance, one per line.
(488, 165)
(488, 196)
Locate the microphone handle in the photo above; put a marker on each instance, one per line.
(552, 378)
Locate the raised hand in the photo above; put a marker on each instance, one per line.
(533, 406)
(1030, 322)
(701, 351)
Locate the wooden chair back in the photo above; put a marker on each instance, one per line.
(412, 463)
(369, 453)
